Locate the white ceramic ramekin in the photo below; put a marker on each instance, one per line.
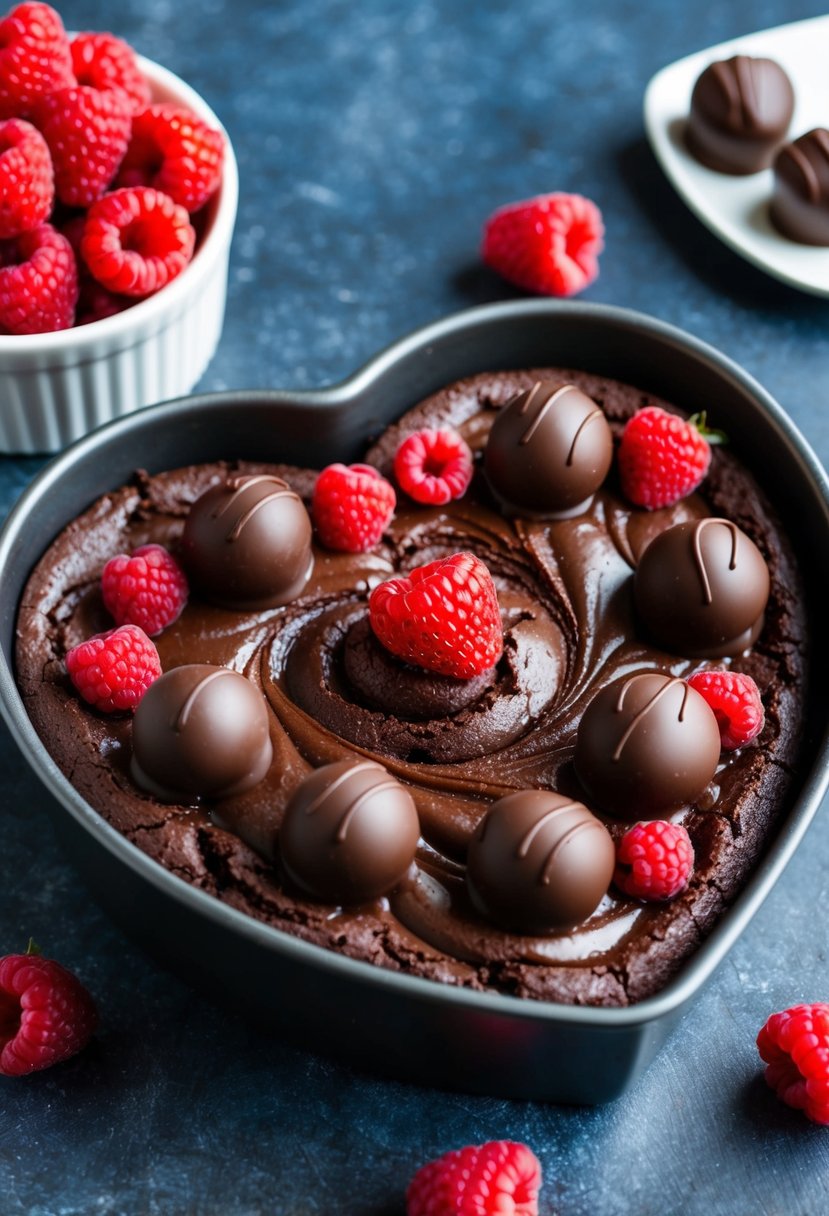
(56, 387)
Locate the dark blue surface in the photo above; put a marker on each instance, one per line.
(373, 140)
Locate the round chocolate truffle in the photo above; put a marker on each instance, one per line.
(701, 589)
(548, 451)
(538, 862)
(740, 112)
(646, 744)
(800, 202)
(200, 732)
(247, 543)
(350, 832)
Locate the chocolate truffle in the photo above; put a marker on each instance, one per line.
(740, 112)
(800, 202)
(247, 543)
(539, 861)
(200, 732)
(646, 744)
(350, 832)
(548, 451)
(701, 589)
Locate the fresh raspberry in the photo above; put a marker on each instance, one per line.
(433, 466)
(95, 303)
(34, 58)
(106, 62)
(662, 457)
(46, 1014)
(443, 617)
(136, 240)
(654, 860)
(87, 131)
(351, 507)
(146, 588)
(173, 150)
(27, 183)
(735, 700)
(113, 670)
(548, 244)
(38, 282)
(795, 1047)
(500, 1178)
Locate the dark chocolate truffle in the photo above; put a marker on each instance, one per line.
(539, 861)
(701, 589)
(740, 112)
(800, 202)
(548, 451)
(646, 744)
(350, 832)
(247, 543)
(200, 732)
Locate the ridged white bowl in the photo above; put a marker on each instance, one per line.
(56, 387)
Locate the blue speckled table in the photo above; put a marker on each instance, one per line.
(373, 139)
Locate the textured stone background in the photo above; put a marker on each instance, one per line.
(373, 139)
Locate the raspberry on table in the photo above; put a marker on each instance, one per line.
(351, 507)
(654, 860)
(147, 588)
(433, 466)
(46, 1014)
(27, 181)
(38, 282)
(87, 131)
(795, 1047)
(176, 152)
(735, 699)
(106, 62)
(444, 616)
(136, 240)
(662, 457)
(34, 58)
(500, 1178)
(113, 670)
(548, 244)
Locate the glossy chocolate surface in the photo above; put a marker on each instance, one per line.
(539, 861)
(247, 543)
(646, 745)
(548, 451)
(800, 201)
(701, 589)
(740, 112)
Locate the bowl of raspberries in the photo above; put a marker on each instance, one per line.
(118, 195)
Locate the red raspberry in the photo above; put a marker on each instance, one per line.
(662, 458)
(38, 282)
(351, 507)
(433, 466)
(174, 151)
(548, 244)
(136, 240)
(795, 1047)
(500, 1178)
(34, 58)
(443, 617)
(113, 670)
(735, 700)
(95, 302)
(654, 860)
(46, 1014)
(87, 131)
(106, 62)
(27, 183)
(148, 588)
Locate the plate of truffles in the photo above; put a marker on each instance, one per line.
(742, 133)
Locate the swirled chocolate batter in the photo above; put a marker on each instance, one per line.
(333, 694)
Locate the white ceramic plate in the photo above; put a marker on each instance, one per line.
(736, 208)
